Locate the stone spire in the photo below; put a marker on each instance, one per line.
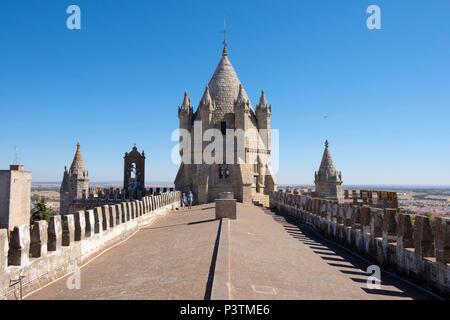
(78, 161)
(263, 105)
(186, 106)
(328, 179)
(327, 165)
(262, 99)
(206, 100)
(242, 99)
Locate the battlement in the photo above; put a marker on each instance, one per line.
(43, 252)
(97, 193)
(373, 198)
(414, 246)
(109, 196)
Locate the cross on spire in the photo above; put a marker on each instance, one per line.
(225, 44)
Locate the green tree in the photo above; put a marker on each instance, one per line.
(41, 212)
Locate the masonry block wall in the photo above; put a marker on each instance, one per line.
(15, 189)
(413, 246)
(45, 251)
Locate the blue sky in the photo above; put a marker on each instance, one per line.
(120, 79)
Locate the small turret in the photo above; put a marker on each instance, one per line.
(328, 180)
(242, 102)
(205, 109)
(263, 115)
(75, 184)
(185, 113)
(206, 103)
(263, 106)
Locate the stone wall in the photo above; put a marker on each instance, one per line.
(15, 193)
(374, 198)
(47, 251)
(413, 246)
(98, 197)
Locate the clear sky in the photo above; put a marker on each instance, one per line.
(382, 97)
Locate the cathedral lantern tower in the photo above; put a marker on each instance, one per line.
(226, 108)
(134, 174)
(328, 180)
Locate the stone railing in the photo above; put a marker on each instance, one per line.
(47, 251)
(414, 246)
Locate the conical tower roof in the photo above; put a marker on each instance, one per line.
(78, 161)
(327, 164)
(224, 87)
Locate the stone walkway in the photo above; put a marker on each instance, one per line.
(170, 259)
(272, 258)
(267, 257)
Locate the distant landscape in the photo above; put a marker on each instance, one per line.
(419, 199)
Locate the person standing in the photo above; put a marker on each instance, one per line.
(190, 199)
(183, 201)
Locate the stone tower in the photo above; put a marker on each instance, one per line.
(15, 197)
(134, 174)
(328, 180)
(242, 169)
(75, 183)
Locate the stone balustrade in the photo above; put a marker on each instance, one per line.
(414, 246)
(46, 251)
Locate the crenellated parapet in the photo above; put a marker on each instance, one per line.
(374, 198)
(110, 196)
(414, 246)
(45, 251)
